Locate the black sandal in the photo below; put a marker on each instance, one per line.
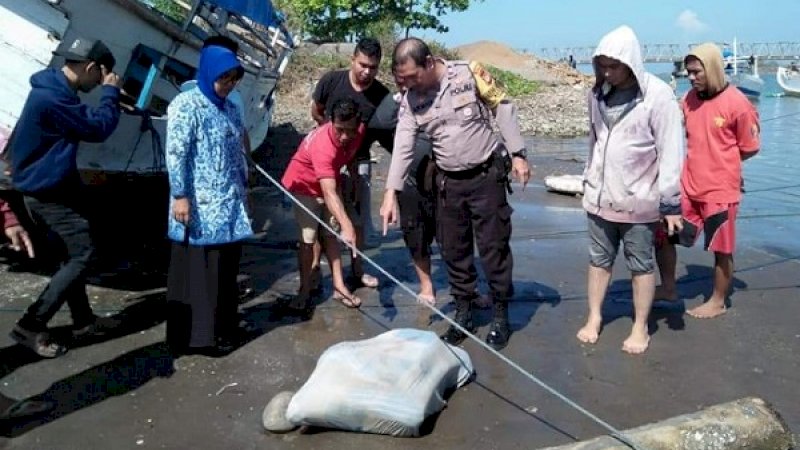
(39, 343)
(285, 308)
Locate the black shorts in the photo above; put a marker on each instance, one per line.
(417, 220)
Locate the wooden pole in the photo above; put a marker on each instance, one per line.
(748, 423)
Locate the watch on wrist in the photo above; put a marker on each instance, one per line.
(520, 154)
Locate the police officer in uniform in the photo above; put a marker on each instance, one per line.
(453, 103)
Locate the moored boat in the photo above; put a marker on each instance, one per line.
(155, 55)
(788, 80)
(742, 72)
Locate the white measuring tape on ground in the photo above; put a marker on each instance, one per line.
(613, 432)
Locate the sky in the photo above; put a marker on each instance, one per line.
(535, 24)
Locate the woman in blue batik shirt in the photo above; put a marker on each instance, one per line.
(208, 215)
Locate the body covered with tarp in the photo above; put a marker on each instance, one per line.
(386, 385)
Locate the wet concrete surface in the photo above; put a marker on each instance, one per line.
(126, 392)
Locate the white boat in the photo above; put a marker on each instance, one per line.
(154, 56)
(742, 72)
(789, 81)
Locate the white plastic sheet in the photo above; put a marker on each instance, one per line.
(386, 385)
(568, 184)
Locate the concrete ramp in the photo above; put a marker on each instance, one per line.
(749, 423)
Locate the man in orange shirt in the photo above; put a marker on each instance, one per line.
(722, 130)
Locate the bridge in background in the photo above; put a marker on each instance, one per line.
(676, 52)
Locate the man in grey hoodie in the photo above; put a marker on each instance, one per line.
(631, 179)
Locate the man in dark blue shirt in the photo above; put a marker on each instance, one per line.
(43, 151)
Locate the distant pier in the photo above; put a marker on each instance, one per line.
(673, 52)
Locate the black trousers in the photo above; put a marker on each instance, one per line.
(202, 294)
(417, 220)
(64, 237)
(472, 207)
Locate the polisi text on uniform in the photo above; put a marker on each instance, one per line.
(461, 89)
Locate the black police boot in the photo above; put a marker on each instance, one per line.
(500, 331)
(453, 335)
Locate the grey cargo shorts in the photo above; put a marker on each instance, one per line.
(637, 244)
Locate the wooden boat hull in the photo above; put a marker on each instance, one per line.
(138, 37)
(126, 173)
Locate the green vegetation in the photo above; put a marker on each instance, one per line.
(516, 86)
(341, 20)
(171, 9)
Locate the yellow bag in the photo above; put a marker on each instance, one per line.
(490, 90)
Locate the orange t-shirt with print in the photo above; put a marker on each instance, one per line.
(719, 131)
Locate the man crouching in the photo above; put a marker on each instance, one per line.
(313, 176)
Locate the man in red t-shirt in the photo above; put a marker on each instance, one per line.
(313, 176)
(359, 83)
(722, 130)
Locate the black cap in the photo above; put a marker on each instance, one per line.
(88, 50)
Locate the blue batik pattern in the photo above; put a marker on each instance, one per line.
(205, 163)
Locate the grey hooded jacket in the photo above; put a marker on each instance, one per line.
(633, 171)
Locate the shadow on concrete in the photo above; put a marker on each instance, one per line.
(143, 313)
(397, 261)
(526, 412)
(698, 282)
(96, 384)
(124, 373)
(528, 297)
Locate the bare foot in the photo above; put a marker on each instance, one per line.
(637, 342)
(591, 331)
(427, 296)
(669, 295)
(708, 310)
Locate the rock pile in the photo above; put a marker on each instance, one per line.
(557, 109)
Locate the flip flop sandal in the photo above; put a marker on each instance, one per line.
(27, 408)
(39, 343)
(351, 301)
